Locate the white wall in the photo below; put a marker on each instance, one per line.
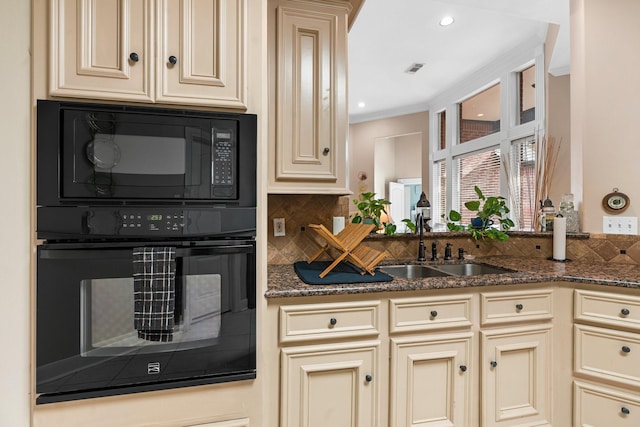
(15, 24)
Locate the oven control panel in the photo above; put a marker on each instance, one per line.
(147, 223)
(141, 222)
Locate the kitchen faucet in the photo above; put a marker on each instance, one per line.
(423, 207)
(419, 220)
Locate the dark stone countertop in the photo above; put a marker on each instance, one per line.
(284, 282)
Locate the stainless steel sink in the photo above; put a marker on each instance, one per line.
(470, 269)
(412, 271)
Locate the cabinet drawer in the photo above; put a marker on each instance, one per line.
(430, 313)
(607, 354)
(515, 306)
(607, 309)
(601, 407)
(328, 321)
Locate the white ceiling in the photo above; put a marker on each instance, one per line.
(389, 35)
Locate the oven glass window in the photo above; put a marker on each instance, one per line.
(107, 324)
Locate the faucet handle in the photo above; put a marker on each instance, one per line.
(460, 253)
(447, 252)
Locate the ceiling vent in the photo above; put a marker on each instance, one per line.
(414, 68)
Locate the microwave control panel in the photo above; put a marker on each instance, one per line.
(223, 168)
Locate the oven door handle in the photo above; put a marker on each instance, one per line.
(214, 250)
(118, 252)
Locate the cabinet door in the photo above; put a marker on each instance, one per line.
(201, 52)
(311, 114)
(430, 383)
(331, 385)
(516, 377)
(597, 406)
(101, 49)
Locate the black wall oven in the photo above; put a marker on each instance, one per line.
(146, 277)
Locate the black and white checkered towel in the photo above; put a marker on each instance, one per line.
(154, 275)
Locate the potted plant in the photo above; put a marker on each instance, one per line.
(370, 211)
(489, 209)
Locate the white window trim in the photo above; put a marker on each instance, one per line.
(504, 71)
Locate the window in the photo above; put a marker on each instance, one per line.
(492, 144)
(480, 169)
(521, 174)
(480, 114)
(442, 129)
(527, 95)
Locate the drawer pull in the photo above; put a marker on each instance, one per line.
(625, 311)
(434, 313)
(333, 321)
(626, 349)
(173, 60)
(493, 363)
(463, 368)
(368, 378)
(625, 410)
(519, 307)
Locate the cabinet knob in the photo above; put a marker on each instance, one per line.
(463, 368)
(368, 378)
(625, 311)
(333, 321)
(134, 57)
(519, 307)
(493, 363)
(625, 410)
(626, 349)
(326, 151)
(173, 60)
(434, 313)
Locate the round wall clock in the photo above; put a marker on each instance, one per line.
(615, 202)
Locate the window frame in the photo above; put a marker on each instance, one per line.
(505, 72)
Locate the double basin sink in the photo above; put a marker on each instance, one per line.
(413, 271)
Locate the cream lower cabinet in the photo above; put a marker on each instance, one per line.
(330, 385)
(430, 382)
(438, 359)
(516, 377)
(329, 365)
(308, 89)
(516, 362)
(188, 52)
(606, 359)
(430, 376)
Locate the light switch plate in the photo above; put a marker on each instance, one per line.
(620, 225)
(278, 227)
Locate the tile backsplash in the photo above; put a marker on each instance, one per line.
(299, 243)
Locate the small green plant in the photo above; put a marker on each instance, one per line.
(410, 225)
(370, 211)
(488, 209)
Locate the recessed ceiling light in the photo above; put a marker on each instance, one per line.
(480, 114)
(361, 104)
(447, 20)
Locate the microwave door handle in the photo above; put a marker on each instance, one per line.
(216, 250)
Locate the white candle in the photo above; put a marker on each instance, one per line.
(559, 238)
(338, 224)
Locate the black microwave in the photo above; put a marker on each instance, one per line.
(90, 154)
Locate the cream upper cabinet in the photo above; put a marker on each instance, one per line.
(189, 52)
(308, 86)
(101, 49)
(201, 52)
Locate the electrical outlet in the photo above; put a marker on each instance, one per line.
(278, 227)
(620, 225)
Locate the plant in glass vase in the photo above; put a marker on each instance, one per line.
(488, 209)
